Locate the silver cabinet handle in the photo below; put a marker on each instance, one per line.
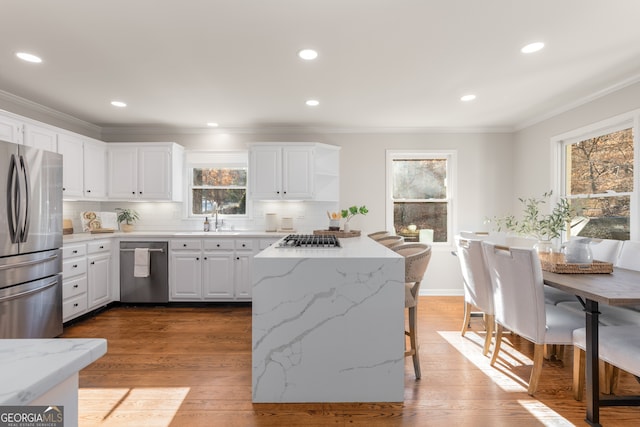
(30, 292)
(26, 263)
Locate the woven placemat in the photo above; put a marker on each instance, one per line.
(339, 234)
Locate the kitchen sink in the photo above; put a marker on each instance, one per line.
(208, 233)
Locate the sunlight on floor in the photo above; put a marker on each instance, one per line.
(470, 346)
(544, 413)
(152, 407)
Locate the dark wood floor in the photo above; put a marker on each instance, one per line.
(192, 367)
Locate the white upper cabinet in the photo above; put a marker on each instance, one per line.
(84, 167)
(40, 137)
(145, 171)
(95, 169)
(71, 148)
(10, 129)
(293, 171)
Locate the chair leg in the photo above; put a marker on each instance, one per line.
(496, 349)
(578, 373)
(490, 321)
(413, 339)
(467, 318)
(614, 379)
(538, 358)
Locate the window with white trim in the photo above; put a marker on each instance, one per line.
(597, 174)
(217, 181)
(420, 194)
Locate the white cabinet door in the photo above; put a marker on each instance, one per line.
(99, 279)
(278, 172)
(123, 173)
(71, 149)
(10, 129)
(242, 264)
(217, 275)
(154, 167)
(186, 275)
(40, 137)
(297, 173)
(265, 171)
(95, 170)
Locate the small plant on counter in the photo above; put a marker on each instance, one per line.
(128, 216)
(353, 211)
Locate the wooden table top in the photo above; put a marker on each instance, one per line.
(622, 287)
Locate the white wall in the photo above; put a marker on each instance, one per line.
(532, 147)
(484, 184)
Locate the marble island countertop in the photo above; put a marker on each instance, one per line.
(352, 247)
(32, 367)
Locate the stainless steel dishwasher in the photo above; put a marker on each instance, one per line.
(151, 289)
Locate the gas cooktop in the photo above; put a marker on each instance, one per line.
(309, 241)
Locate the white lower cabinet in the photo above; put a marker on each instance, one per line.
(86, 277)
(74, 281)
(216, 269)
(99, 273)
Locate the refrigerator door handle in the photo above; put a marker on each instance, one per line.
(29, 292)
(28, 263)
(24, 232)
(13, 200)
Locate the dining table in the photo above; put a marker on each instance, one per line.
(619, 288)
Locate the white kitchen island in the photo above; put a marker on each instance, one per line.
(328, 324)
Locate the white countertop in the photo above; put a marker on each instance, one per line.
(31, 367)
(82, 237)
(352, 247)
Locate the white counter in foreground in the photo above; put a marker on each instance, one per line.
(45, 371)
(328, 324)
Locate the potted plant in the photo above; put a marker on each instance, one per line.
(126, 218)
(534, 223)
(350, 213)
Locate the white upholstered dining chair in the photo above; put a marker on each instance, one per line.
(416, 261)
(520, 307)
(478, 291)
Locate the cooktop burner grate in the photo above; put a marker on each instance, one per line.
(309, 241)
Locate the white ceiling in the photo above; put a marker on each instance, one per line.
(383, 64)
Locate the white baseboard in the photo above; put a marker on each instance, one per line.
(442, 292)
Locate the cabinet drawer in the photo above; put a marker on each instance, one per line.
(73, 287)
(74, 306)
(244, 244)
(99, 246)
(74, 267)
(73, 251)
(218, 244)
(186, 244)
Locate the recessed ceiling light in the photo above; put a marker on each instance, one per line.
(212, 124)
(118, 104)
(467, 98)
(308, 54)
(312, 102)
(532, 47)
(29, 57)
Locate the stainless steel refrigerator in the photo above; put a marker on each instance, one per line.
(30, 242)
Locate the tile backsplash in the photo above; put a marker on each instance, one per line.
(171, 216)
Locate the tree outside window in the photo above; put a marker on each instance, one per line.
(599, 182)
(224, 188)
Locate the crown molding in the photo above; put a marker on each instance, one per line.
(577, 103)
(49, 112)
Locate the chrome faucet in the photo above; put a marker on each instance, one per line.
(216, 223)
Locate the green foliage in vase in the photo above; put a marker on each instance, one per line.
(128, 216)
(534, 223)
(353, 211)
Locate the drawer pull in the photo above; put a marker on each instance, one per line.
(75, 304)
(93, 262)
(75, 251)
(75, 265)
(101, 247)
(218, 245)
(75, 286)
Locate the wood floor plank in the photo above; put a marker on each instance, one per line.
(191, 366)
